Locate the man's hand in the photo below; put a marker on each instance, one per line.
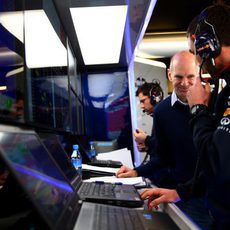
(141, 147)
(198, 94)
(157, 196)
(125, 171)
(140, 136)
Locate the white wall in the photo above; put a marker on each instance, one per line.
(148, 70)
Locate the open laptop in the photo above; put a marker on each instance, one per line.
(53, 144)
(116, 194)
(83, 143)
(55, 200)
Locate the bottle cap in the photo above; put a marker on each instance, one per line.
(75, 147)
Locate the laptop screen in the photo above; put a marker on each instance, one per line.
(58, 153)
(37, 173)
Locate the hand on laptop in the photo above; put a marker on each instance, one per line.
(125, 172)
(157, 196)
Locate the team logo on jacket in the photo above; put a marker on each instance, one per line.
(225, 121)
(227, 112)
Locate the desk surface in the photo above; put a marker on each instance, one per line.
(179, 217)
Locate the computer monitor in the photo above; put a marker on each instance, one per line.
(37, 173)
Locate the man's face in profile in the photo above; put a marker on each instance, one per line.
(145, 103)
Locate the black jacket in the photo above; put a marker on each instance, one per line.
(211, 134)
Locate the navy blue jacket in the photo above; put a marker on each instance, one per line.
(173, 145)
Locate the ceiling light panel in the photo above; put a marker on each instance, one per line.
(100, 32)
(42, 44)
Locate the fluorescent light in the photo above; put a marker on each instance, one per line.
(15, 71)
(43, 46)
(3, 87)
(150, 62)
(100, 32)
(13, 22)
(162, 45)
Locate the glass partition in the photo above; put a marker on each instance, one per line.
(11, 61)
(107, 108)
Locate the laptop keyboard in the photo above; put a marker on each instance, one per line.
(97, 189)
(114, 218)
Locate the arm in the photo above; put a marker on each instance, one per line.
(125, 172)
(202, 123)
(143, 170)
(149, 141)
(210, 136)
(139, 135)
(157, 196)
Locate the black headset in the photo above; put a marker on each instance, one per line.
(155, 93)
(207, 44)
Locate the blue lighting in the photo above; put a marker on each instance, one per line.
(42, 177)
(147, 216)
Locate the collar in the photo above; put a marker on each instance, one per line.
(174, 99)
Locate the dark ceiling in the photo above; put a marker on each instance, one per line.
(167, 16)
(171, 16)
(174, 16)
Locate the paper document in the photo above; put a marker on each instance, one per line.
(122, 155)
(113, 179)
(101, 169)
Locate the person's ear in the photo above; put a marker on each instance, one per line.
(169, 75)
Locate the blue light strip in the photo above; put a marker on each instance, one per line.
(42, 177)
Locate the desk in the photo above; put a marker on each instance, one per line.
(179, 217)
(182, 221)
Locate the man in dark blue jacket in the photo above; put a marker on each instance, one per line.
(210, 40)
(173, 141)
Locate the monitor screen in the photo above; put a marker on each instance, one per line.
(37, 173)
(58, 153)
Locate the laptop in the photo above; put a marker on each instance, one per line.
(104, 163)
(53, 144)
(55, 200)
(116, 194)
(83, 143)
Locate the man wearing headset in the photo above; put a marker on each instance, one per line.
(209, 39)
(149, 94)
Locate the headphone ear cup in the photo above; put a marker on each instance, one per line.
(207, 45)
(152, 99)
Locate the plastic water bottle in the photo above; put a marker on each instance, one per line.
(77, 159)
(92, 151)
